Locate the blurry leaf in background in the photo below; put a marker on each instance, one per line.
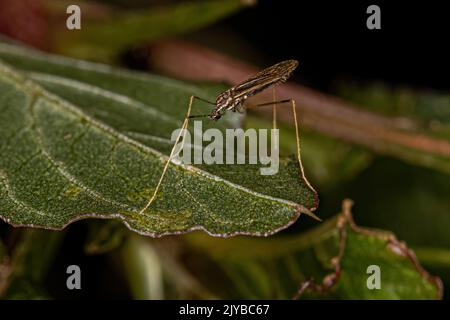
(154, 271)
(143, 269)
(337, 251)
(431, 109)
(93, 143)
(107, 31)
(329, 162)
(104, 237)
(27, 21)
(5, 268)
(29, 264)
(411, 201)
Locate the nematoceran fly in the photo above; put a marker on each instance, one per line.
(234, 99)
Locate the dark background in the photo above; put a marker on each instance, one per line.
(330, 39)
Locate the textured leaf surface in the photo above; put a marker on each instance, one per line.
(84, 140)
(335, 256)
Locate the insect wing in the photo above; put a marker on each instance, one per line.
(254, 86)
(268, 77)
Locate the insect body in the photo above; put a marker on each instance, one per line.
(234, 98)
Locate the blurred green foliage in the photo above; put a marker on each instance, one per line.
(107, 31)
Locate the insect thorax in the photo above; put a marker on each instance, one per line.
(225, 101)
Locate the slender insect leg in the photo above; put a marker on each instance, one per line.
(250, 106)
(297, 139)
(274, 109)
(276, 141)
(297, 132)
(204, 100)
(299, 158)
(297, 136)
(183, 130)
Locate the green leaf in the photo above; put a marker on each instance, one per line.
(106, 32)
(335, 255)
(104, 237)
(84, 140)
(410, 201)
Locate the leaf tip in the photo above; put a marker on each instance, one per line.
(302, 209)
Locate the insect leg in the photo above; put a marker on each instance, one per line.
(249, 106)
(299, 158)
(276, 141)
(297, 136)
(204, 100)
(274, 109)
(201, 115)
(183, 130)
